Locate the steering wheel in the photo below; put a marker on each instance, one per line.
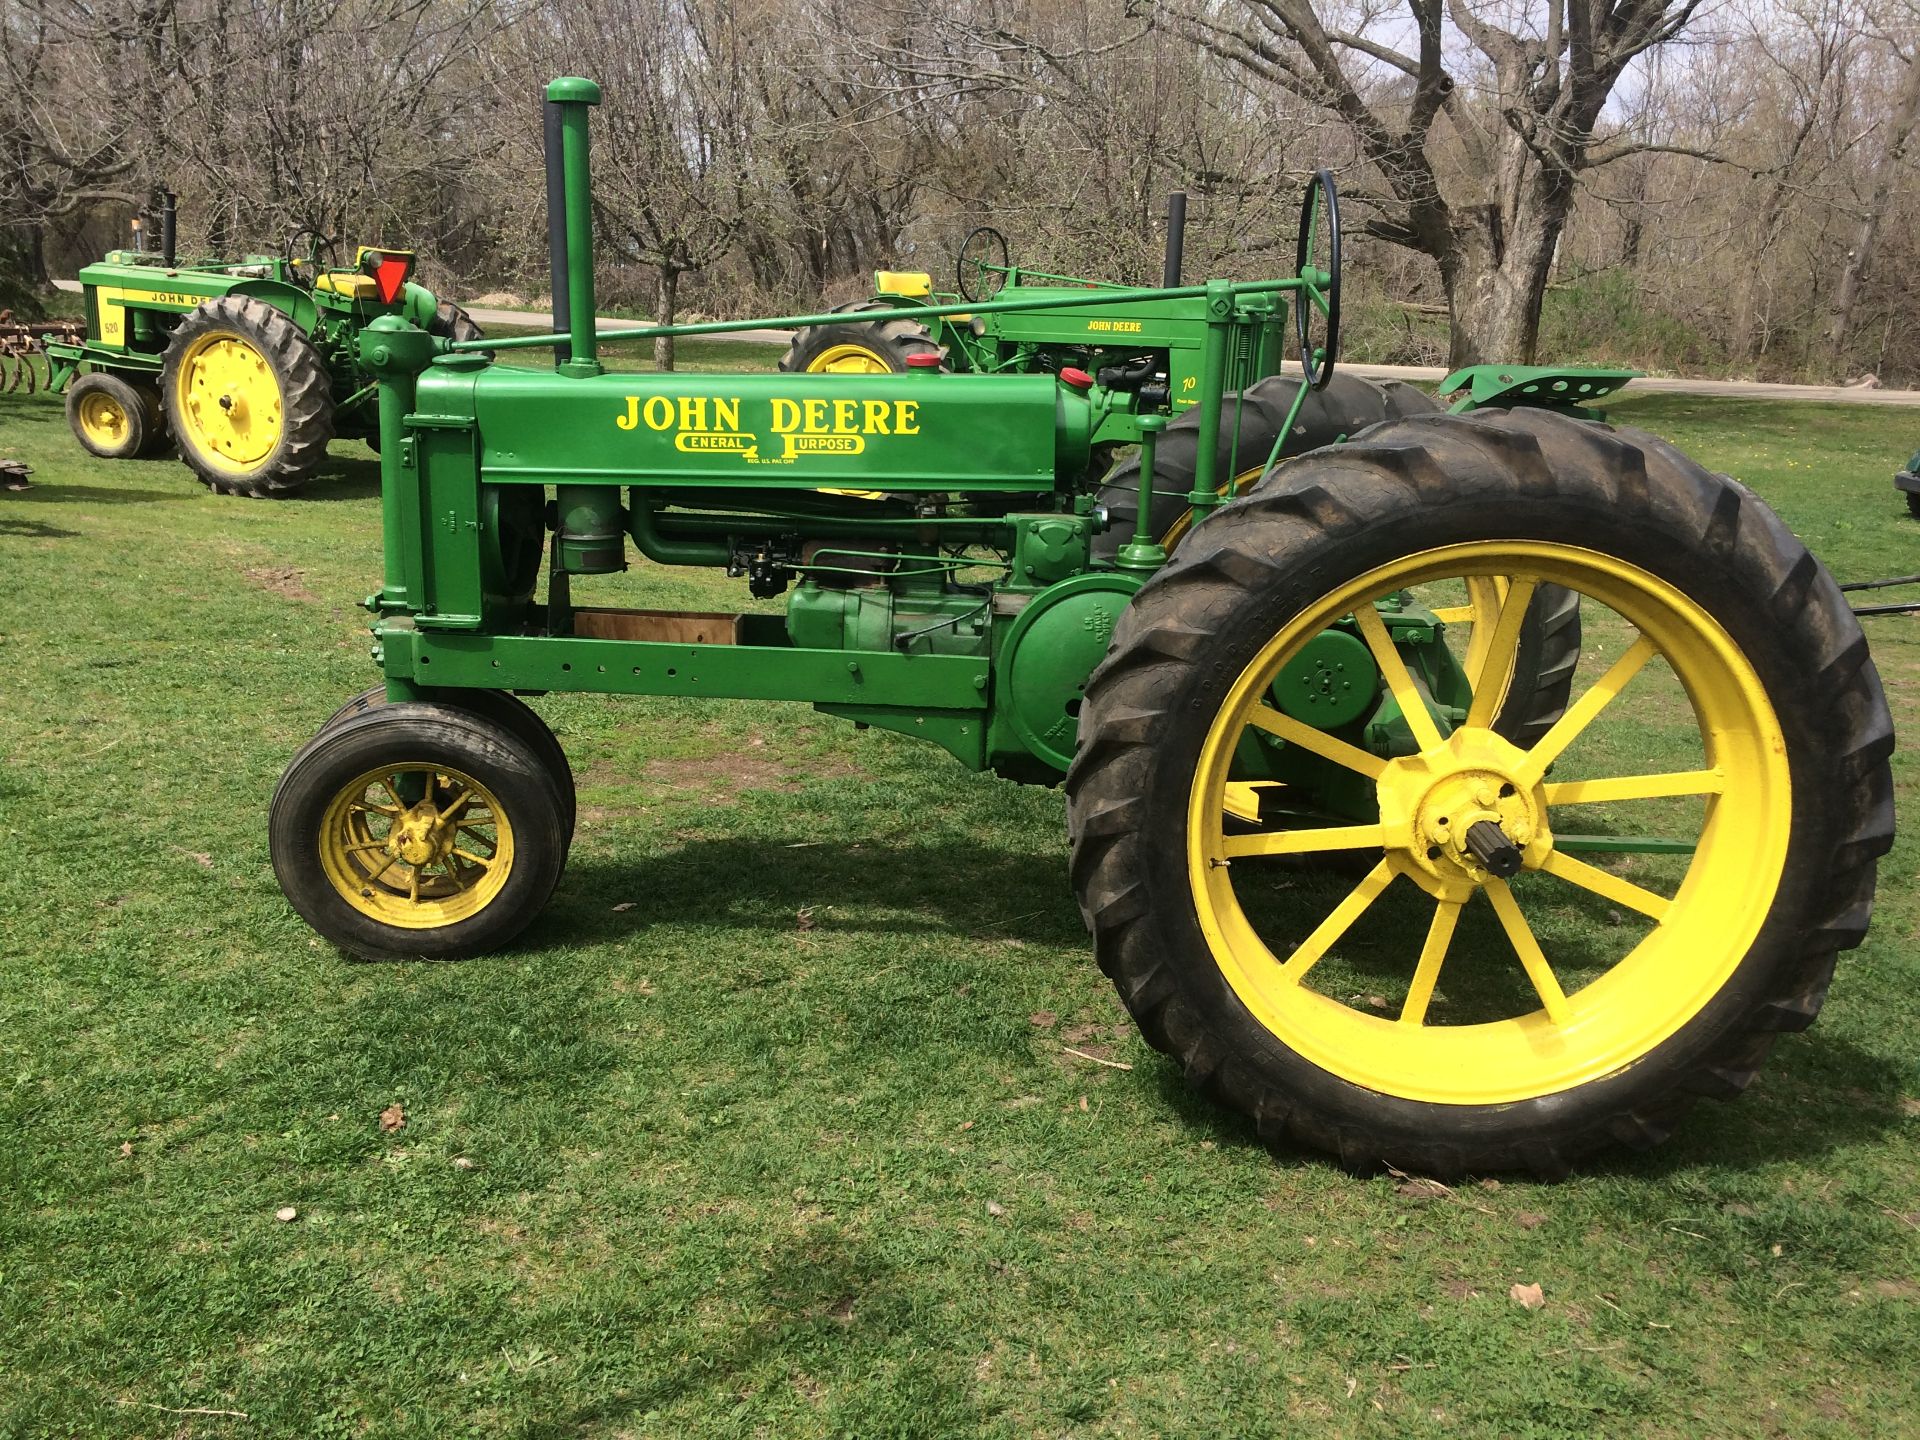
(977, 254)
(317, 241)
(1316, 264)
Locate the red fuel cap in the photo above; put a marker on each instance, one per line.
(1078, 379)
(926, 360)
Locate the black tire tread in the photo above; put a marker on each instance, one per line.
(1427, 462)
(306, 402)
(892, 340)
(428, 727)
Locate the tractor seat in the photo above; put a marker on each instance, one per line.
(911, 283)
(354, 287)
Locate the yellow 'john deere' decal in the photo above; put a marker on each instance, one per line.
(710, 424)
(113, 300)
(1117, 327)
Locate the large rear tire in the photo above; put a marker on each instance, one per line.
(1485, 1061)
(247, 398)
(857, 347)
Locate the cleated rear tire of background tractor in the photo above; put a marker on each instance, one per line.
(1797, 804)
(857, 347)
(1550, 644)
(248, 401)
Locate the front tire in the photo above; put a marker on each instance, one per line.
(495, 707)
(1487, 1062)
(111, 417)
(416, 830)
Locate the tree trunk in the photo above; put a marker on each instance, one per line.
(1847, 293)
(23, 271)
(1495, 275)
(666, 293)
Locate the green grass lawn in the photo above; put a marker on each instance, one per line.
(769, 1126)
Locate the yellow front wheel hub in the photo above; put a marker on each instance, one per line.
(229, 405)
(416, 846)
(1591, 1011)
(104, 420)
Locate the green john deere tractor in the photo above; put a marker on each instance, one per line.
(1147, 352)
(1379, 859)
(249, 367)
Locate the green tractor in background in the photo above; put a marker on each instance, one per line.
(249, 367)
(1149, 358)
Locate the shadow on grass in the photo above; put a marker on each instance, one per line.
(949, 887)
(35, 529)
(343, 478)
(105, 493)
(821, 1297)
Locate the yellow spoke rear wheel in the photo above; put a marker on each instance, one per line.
(1430, 802)
(1483, 991)
(417, 829)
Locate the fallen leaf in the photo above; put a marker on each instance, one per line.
(804, 919)
(286, 1213)
(1528, 1295)
(1778, 1251)
(1083, 1102)
(1529, 1220)
(126, 1147)
(966, 1124)
(996, 1209)
(1353, 1384)
(1043, 1018)
(624, 906)
(1421, 1190)
(393, 1118)
(461, 1162)
(1910, 1106)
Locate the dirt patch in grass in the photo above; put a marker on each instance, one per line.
(281, 580)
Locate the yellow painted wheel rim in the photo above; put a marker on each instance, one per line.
(228, 403)
(103, 419)
(416, 864)
(1700, 933)
(848, 359)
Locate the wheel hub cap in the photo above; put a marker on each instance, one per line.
(422, 835)
(1430, 802)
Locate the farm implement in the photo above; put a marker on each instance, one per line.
(1475, 792)
(23, 360)
(249, 367)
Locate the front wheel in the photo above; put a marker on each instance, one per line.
(416, 830)
(496, 707)
(1557, 944)
(113, 418)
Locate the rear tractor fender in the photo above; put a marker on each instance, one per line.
(292, 301)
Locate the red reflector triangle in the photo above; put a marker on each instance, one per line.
(390, 274)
